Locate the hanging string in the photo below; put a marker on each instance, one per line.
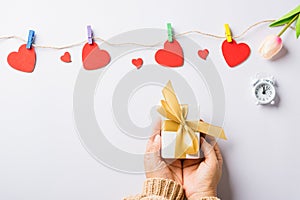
(143, 45)
(12, 37)
(60, 47)
(235, 37)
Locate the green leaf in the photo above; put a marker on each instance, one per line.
(283, 19)
(298, 27)
(281, 22)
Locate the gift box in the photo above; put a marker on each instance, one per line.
(170, 142)
(180, 138)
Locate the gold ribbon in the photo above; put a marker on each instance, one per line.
(176, 115)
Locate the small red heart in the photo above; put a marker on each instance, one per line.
(234, 53)
(137, 62)
(23, 60)
(171, 55)
(66, 57)
(203, 53)
(93, 57)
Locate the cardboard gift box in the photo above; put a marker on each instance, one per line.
(172, 146)
(180, 138)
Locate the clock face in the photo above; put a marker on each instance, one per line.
(265, 92)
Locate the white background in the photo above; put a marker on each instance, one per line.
(41, 154)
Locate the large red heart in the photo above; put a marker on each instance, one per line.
(234, 53)
(171, 55)
(23, 60)
(93, 57)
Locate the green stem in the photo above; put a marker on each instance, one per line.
(287, 25)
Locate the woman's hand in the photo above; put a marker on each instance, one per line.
(155, 166)
(202, 177)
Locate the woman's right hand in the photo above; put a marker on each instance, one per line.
(201, 178)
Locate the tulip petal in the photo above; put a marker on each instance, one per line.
(283, 19)
(271, 45)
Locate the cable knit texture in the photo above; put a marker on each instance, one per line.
(167, 189)
(162, 189)
(209, 198)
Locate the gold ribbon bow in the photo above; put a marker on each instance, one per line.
(176, 115)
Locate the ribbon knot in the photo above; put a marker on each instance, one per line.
(183, 123)
(186, 139)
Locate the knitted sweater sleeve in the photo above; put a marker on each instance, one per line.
(162, 189)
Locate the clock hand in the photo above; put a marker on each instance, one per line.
(264, 89)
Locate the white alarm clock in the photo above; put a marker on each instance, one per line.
(264, 90)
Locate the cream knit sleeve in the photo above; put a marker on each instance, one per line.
(162, 189)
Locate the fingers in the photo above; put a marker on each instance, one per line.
(151, 141)
(218, 154)
(173, 162)
(211, 151)
(191, 162)
(208, 150)
(212, 141)
(152, 159)
(155, 147)
(157, 127)
(153, 144)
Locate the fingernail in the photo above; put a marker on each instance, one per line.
(201, 139)
(157, 138)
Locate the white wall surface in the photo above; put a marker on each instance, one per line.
(40, 151)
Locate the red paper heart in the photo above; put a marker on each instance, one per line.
(137, 62)
(93, 57)
(234, 53)
(66, 57)
(203, 53)
(23, 60)
(171, 55)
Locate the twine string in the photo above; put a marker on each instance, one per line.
(139, 44)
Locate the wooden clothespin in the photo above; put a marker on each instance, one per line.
(90, 34)
(30, 39)
(170, 32)
(228, 33)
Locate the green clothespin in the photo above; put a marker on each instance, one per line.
(170, 32)
(288, 19)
